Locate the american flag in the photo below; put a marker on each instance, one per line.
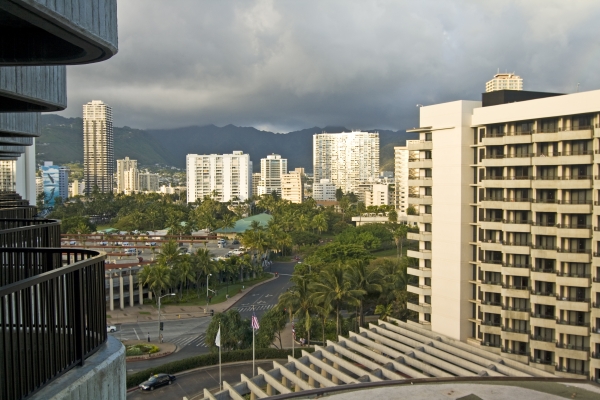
(254, 322)
(294, 331)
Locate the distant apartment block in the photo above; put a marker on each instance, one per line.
(255, 183)
(127, 176)
(374, 194)
(224, 177)
(506, 205)
(55, 181)
(504, 81)
(7, 175)
(346, 159)
(324, 190)
(271, 170)
(148, 182)
(76, 188)
(98, 147)
(292, 187)
(401, 157)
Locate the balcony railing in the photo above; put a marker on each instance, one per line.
(540, 361)
(540, 338)
(29, 233)
(573, 274)
(514, 330)
(572, 371)
(575, 299)
(53, 315)
(572, 323)
(544, 270)
(507, 265)
(515, 287)
(507, 243)
(578, 251)
(542, 316)
(512, 351)
(491, 323)
(519, 309)
(572, 347)
(24, 211)
(490, 282)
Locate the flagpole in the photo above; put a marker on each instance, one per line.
(220, 380)
(293, 341)
(253, 348)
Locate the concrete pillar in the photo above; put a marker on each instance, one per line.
(131, 296)
(299, 375)
(121, 290)
(323, 372)
(284, 381)
(311, 380)
(252, 396)
(141, 294)
(334, 379)
(111, 293)
(269, 390)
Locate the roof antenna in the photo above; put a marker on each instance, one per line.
(577, 90)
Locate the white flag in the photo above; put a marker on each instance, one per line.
(218, 338)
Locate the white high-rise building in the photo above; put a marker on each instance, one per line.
(255, 183)
(346, 159)
(148, 182)
(224, 177)
(505, 81)
(127, 176)
(324, 190)
(7, 175)
(401, 158)
(292, 188)
(271, 170)
(508, 254)
(98, 147)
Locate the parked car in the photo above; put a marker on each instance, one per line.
(131, 251)
(111, 328)
(235, 241)
(151, 244)
(103, 243)
(157, 380)
(126, 244)
(72, 243)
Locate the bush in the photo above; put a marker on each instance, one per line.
(207, 360)
(140, 349)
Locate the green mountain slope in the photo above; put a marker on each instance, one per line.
(61, 141)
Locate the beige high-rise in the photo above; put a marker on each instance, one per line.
(508, 257)
(98, 147)
(127, 176)
(292, 187)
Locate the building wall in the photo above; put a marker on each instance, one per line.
(229, 176)
(504, 81)
(98, 147)
(324, 190)
(127, 176)
(271, 170)
(292, 188)
(346, 159)
(7, 175)
(401, 156)
(255, 183)
(148, 182)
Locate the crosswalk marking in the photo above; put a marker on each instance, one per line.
(255, 308)
(182, 341)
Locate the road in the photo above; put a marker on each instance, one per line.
(193, 383)
(189, 334)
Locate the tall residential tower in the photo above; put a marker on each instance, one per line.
(346, 159)
(98, 147)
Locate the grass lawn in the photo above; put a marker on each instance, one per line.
(190, 298)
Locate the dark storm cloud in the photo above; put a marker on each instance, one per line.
(284, 65)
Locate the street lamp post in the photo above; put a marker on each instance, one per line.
(170, 294)
(207, 276)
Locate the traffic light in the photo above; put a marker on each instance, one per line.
(162, 325)
(212, 313)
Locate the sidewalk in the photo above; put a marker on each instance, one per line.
(149, 312)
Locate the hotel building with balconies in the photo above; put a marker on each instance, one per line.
(510, 259)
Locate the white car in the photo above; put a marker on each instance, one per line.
(111, 328)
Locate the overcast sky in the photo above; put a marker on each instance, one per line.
(285, 65)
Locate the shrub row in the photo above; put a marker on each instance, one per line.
(207, 360)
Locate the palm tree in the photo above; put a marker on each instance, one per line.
(324, 311)
(395, 277)
(300, 299)
(157, 277)
(366, 278)
(170, 253)
(202, 266)
(184, 272)
(319, 222)
(228, 221)
(400, 234)
(333, 287)
(384, 311)
(303, 223)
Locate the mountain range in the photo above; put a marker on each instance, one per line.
(61, 141)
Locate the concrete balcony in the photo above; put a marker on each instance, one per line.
(415, 145)
(542, 343)
(574, 352)
(572, 328)
(574, 231)
(548, 299)
(490, 327)
(419, 307)
(422, 324)
(422, 163)
(543, 275)
(521, 292)
(491, 266)
(420, 272)
(488, 202)
(421, 236)
(517, 204)
(563, 159)
(542, 321)
(541, 252)
(516, 248)
(490, 245)
(516, 270)
(419, 218)
(575, 207)
(517, 335)
(421, 290)
(572, 304)
(544, 230)
(516, 226)
(509, 312)
(489, 307)
(572, 280)
(491, 286)
(541, 206)
(491, 224)
(506, 138)
(421, 182)
(420, 200)
(574, 256)
(422, 254)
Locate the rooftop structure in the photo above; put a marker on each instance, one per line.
(242, 225)
(504, 81)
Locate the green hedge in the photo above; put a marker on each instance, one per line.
(207, 360)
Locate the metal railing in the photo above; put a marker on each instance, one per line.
(572, 371)
(542, 316)
(572, 323)
(540, 338)
(573, 299)
(572, 347)
(17, 212)
(52, 314)
(29, 233)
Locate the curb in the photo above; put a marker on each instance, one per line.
(248, 291)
